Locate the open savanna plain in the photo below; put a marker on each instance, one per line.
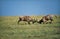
(9, 29)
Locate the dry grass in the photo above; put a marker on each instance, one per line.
(9, 29)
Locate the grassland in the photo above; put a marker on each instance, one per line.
(9, 29)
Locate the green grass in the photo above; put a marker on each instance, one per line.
(9, 29)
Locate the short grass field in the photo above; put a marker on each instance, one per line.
(9, 29)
